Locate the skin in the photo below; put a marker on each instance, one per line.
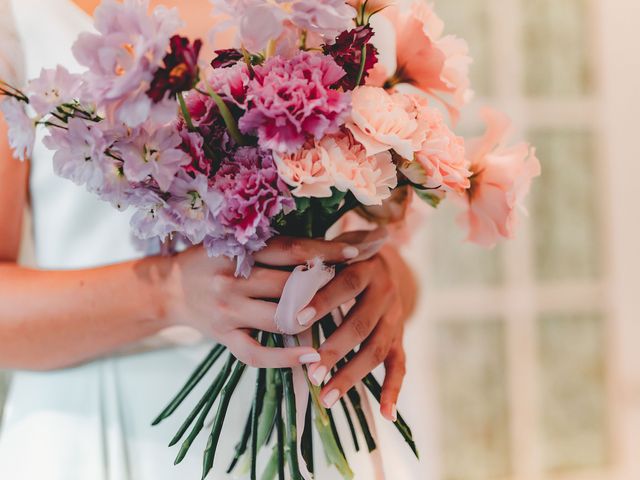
(72, 317)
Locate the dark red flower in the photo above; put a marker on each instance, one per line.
(226, 58)
(347, 52)
(180, 71)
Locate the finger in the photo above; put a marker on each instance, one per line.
(263, 283)
(249, 351)
(346, 286)
(395, 370)
(372, 354)
(254, 314)
(290, 251)
(356, 328)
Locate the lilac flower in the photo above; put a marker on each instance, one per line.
(246, 14)
(252, 195)
(123, 56)
(53, 88)
(155, 153)
(152, 218)
(325, 17)
(22, 130)
(79, 150)
(116, 188)
(289, 100)
(192, 204)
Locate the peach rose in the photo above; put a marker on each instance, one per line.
(441, 161)
(501, 180)
(369, 177)
(306, 171)
(383, 121)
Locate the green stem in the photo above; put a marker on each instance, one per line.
(363, 61)
(207, 403)
(241, 447)
(292, 437)
(214, 437)
(255, 415)
(185, 112)
(227, 116)
(197, 375)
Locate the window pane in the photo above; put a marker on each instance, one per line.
(469, 19)
(454, 262)
(557, 47)
(473, 399)
(572, 406)
(564, 207)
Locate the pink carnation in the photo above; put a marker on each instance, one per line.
(501, 180)
(290, 100)
(441, 161)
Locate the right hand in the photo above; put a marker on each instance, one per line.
(203, 293)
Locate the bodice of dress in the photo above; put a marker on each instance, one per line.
(71, 228)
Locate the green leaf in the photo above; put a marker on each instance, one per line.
(429, 196)
(302, 204)
(333, 202)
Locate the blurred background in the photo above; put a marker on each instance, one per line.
(532, 350)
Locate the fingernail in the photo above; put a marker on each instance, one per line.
(310, 358)
(394, 413)
(350, 252)
(306, 315)
(317, 377)
(331, 398)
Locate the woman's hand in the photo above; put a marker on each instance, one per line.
(385, 290)
(204, 293)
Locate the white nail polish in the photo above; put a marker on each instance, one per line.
(350, 252)
(331, 398)
(317, 377)
(306, 315)
(310, 358)
(394, 413)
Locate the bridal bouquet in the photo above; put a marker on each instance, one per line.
(300, 124)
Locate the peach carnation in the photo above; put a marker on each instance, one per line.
(501, 180)
(382, 121)
(440, 162)
(338, 161)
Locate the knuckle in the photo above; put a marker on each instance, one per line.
(379, 353)
(222, 284)
(353, 279)
(360, 329)
(294, 247)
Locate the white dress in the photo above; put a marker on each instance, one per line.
(93, 422)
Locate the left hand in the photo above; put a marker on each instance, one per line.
(385, 291)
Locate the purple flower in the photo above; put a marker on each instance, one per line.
(54, 87)
(192, 205)
(123, 56)
(22, 130)
(154, 153)
(231, 83)
(347, 52)
(79, 151)
(180, 71)
(152, 218)
(226, 58)
(252, 195)
(290, 100)
(324, 17)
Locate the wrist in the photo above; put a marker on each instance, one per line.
(162, 273)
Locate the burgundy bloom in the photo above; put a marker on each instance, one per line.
(226, 58)
(347, 52)
(180, 71)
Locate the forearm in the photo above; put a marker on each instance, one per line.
(54, 319)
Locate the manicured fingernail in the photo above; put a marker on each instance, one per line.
(331, 398)
(317, 377)
(394, 413)
(350, 252)
(306, 315)
(310, 358)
